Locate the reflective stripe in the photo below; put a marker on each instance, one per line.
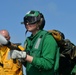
(37, 44)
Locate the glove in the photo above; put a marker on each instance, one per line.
(57, 34)
(15, 54)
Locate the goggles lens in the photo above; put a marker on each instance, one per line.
(30, 20)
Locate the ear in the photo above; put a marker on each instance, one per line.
(3, 40)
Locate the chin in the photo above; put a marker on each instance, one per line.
(29, 30)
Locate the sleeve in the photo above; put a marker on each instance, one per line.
(48, 55)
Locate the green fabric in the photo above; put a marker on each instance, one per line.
(74, 70)
(35, 13)
(45, 55)
(57, 60)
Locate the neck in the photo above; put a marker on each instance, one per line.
(34, 32)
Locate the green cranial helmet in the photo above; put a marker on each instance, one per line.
(32, 13)
(33, 17)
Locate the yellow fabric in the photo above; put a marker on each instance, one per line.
(10, 67)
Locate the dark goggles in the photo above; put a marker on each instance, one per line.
(30, 20)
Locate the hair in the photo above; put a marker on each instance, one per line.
(42, 20)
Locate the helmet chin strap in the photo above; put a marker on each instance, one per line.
(26, 33)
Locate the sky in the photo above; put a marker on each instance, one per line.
(59, 15)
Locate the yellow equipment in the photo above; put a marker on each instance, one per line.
(9, 66)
